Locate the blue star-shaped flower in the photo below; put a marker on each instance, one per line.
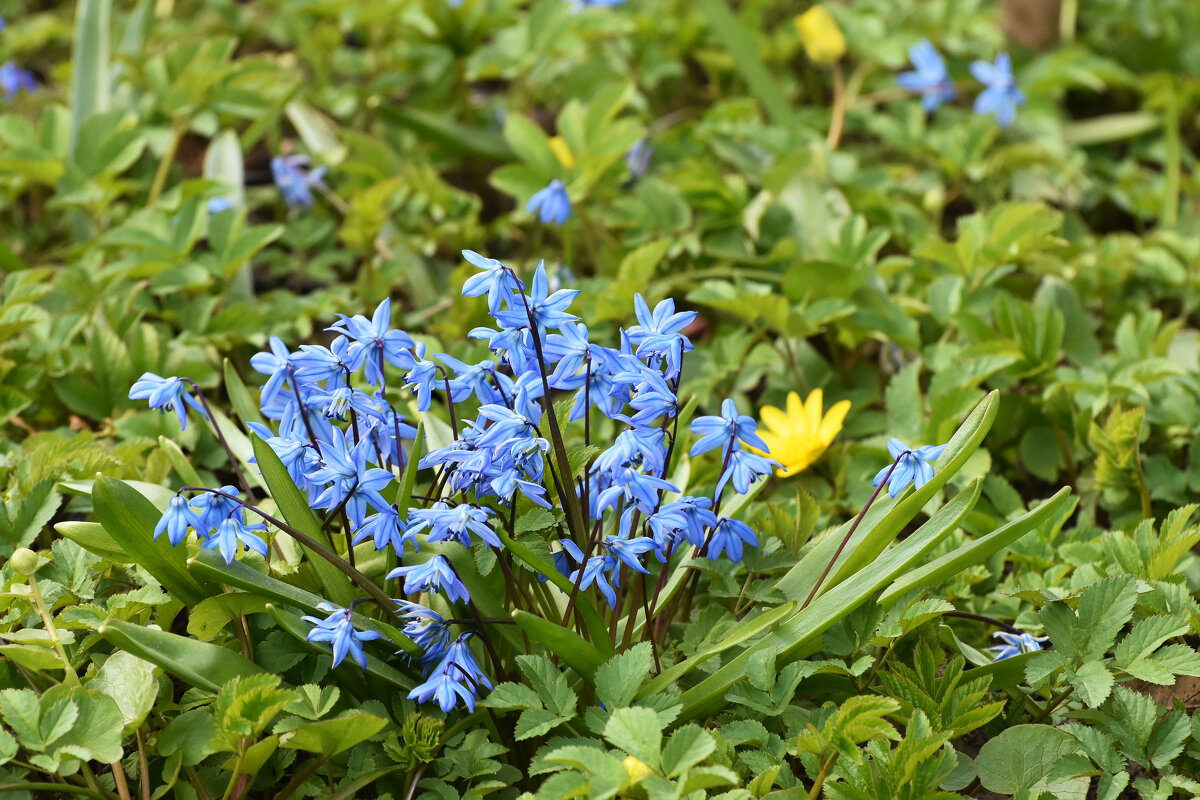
(1016, 643)
(435, 575)
(551, 204)
(912, 466)
(930, 78)
(725, 430)
(338, 629)
(547, 310)
(496, 281)
(1000, 95)
(375, 343)
(166, 394)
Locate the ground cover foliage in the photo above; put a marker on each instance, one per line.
(745, 399)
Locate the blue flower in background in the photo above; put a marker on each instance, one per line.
(435, 575)
(1016, 643)
(218, 204)
(930, 78)
(593, 572)
(724, 431)
(427, 629)
(166, 394)
(729, 537)
(176, 520)
(551, 204)
(744, 468)
(338, 628)
(321, 364)
(14, 78)
(231, 531)
(294, 180)
(912, 466)
(638, 158)
(1000, 95)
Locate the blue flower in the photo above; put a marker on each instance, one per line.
(637, 488)
(551, 204)
(275, 365)
(634, 449)
(1016, 643)
(218, 204)
(696, 514)
(166, 394)
(638, 157)
(930, 78)
(1000, 95)
(457, 524)
(435, 575)
(476, 379)
(593, 572)
(455, 676)
(421, 378)
(729, 537)
(744, 468)
(321, 364)
(294, 181)
(547, 310)
(176, 520)
(725, 430)
(911, 466)
(375, 343)
(338, 628)
(496, 281)
(512, 346)
(231, 531)
(427, 630)
(658, 334)
(214, 508)
(350, 480)
(628, 551)
(14, 78)
(385, 528)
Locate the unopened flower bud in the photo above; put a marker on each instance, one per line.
(24, 561)
(636, 770)
(820, 35)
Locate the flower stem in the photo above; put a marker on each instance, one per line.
(850, 532)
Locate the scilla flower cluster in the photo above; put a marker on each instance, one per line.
(337, 427)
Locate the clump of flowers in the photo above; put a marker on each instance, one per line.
(616, 518)
(930, 79)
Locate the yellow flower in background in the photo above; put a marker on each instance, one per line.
(562, 151)
(820, 35)
(798, 437)
(636, 770)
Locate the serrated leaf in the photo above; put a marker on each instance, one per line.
(619, 679)
(1146, 636)
(536, 722)
(687, 747)
(638, 732)
(1104, 608)
(1093, 683)
(549, 684)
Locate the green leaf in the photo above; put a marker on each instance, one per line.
(92, 536)
(687, 747)
(744, 48)
(191, 734)
(563, 642)
(239, 396)
(130, 519)
(1104, 608)
(537, 722)
(212, 614)
(637, 731)
(294, 507)
(618, 680)
(90, 59)
(549, 684)
(130, 682)
(1093, 683)
(331, 736)
(408, 480)
(96, 733)
(446, 131)
(1021, 757)
(200, 664)
(1146, 637)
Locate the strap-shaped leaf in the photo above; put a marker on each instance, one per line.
(799, 635)
(587, 610)
(240, 397)
(887, 517)
(200, 664)
(977, 551)
(130, 519)
(568, 645)
(296, 512)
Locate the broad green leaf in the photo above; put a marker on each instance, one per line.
(212, 614)
(619, 679)
(637, 731)
(743, 47)
(200, 664)
(1021, 757)
(331, 736)
(130, 682)
(446, 131)
(90, 60)
(239, 396)
(549, 684)
(191, 734)
(687, 747)
(572, 648)
(1093, 683)
(96, 733)
(1104, 608)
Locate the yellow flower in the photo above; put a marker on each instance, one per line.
(820, 35)
(636, 770)
(562, 151)
(799, 437)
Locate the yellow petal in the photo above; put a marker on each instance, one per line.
(812, 410)
(820, 35)
(832, 424)
(775, 420)
(795, 407)
(562, 151)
